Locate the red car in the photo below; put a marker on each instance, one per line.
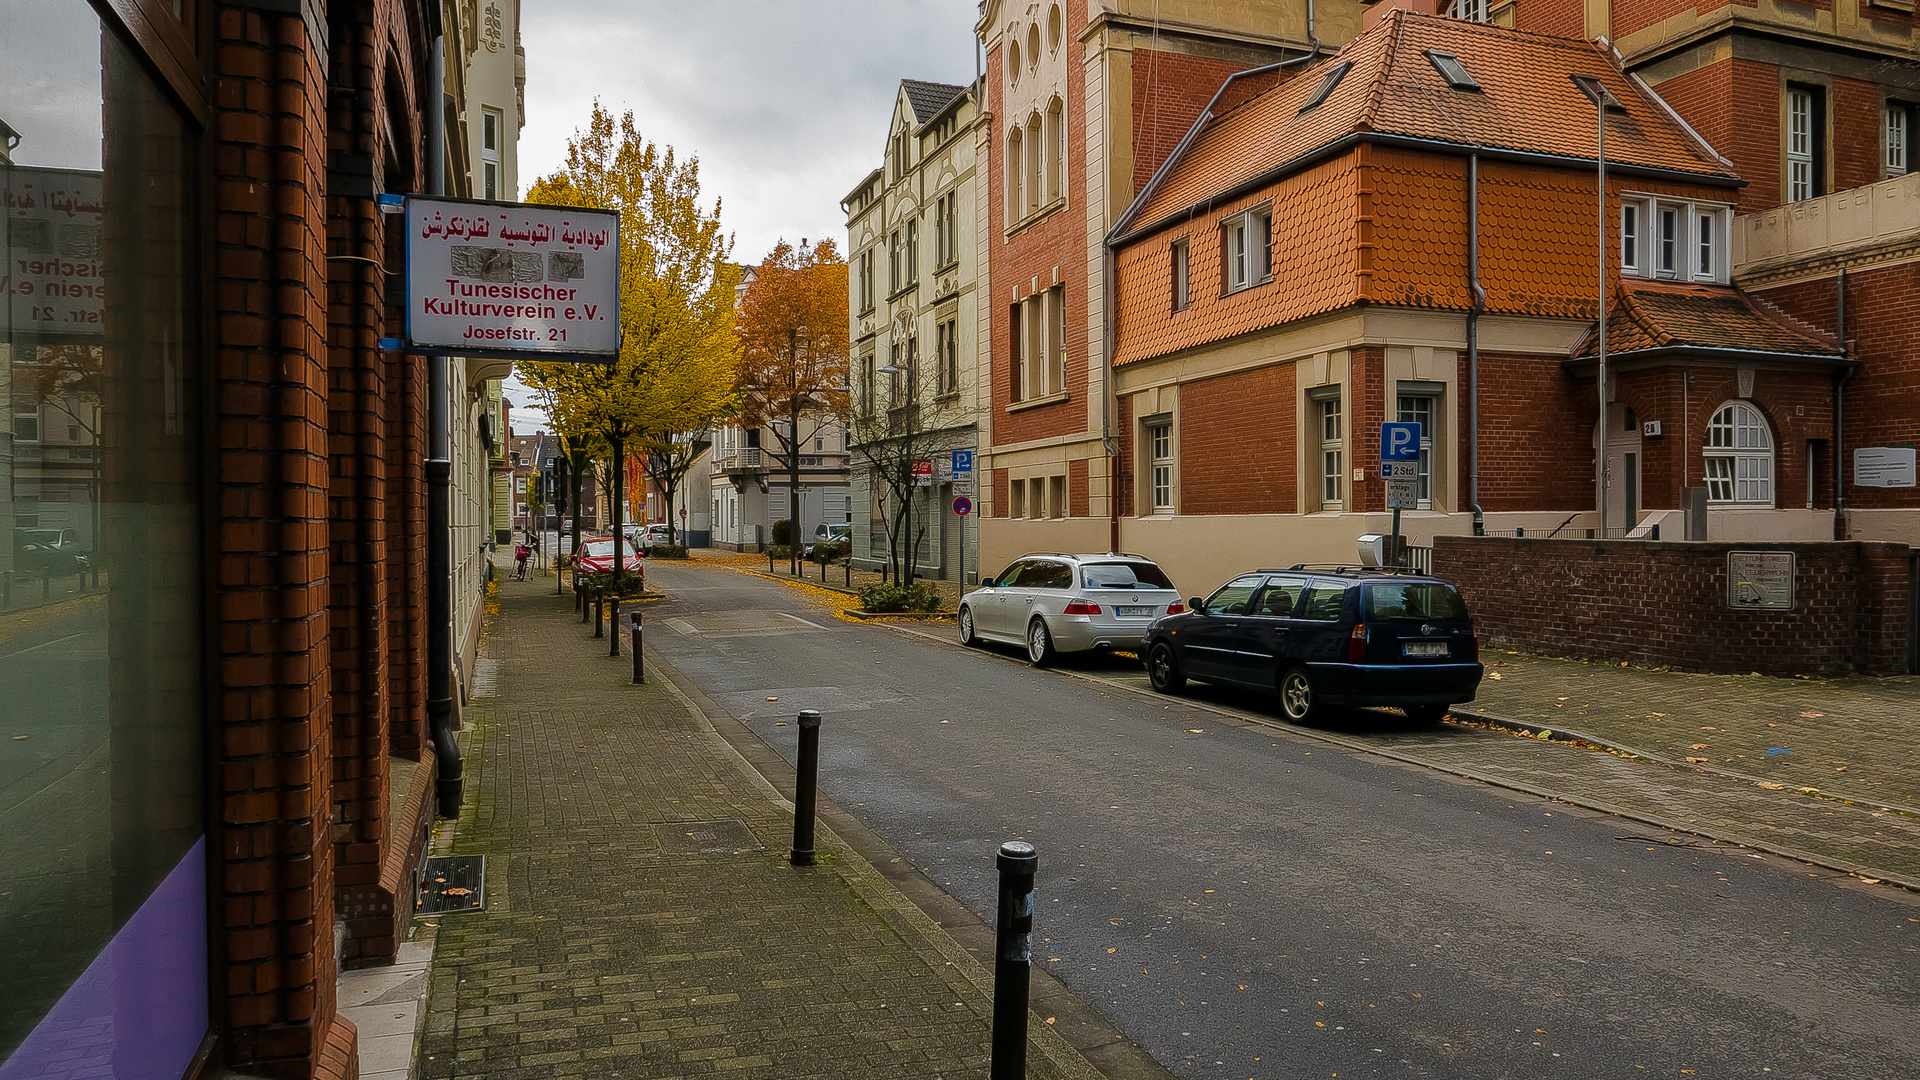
(596, 557)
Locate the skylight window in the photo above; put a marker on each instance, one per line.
(1327, 82)
(1450, 69)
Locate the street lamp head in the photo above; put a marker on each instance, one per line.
(891, 369)
(1597, 92)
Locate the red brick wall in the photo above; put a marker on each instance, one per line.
(1665, 603)
(1855, 146)
(1883, 329)
(274, 738)
(1169, 90)
(1077, 498)
(1734, 106)
(1000, 507)
(1239, 444)
(1535, 419)
(1125, 466)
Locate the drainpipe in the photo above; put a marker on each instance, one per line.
(1840, 414)
(1473, 342)
(1107, 440)
(446, 751)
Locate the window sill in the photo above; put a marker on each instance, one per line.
(1035, 217)
(950, 264)
(1249, 287)
(902, 291)
(1034, 403)
(866, 311)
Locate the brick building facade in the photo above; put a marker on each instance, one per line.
(250, 622)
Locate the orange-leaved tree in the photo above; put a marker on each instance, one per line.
(793, 354)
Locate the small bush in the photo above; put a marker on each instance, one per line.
(829, 551)
(890, 596)
(783, 532)
(666, 551)
(631, 582)
(779, 552)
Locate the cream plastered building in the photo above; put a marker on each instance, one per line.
(915, 330)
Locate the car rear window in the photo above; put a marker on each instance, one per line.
(1131, 575)
(1419, 600)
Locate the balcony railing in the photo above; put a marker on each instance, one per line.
(737, 460)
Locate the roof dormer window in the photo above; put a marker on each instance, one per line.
(1327, 82)
(1450, 69)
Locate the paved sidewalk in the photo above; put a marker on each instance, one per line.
(642, 919)
(1852, 738)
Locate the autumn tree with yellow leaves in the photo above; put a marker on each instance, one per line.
(793, 353)
(675, 374)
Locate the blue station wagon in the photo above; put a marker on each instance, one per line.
(1340, 636)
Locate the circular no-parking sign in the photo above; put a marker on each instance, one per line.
(962, 505)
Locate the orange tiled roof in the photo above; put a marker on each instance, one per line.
(1647, 315)
(1526, 103)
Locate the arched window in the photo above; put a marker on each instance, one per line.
(1016, 168)
(1036, 195)
(1056, 149)
(1739, 454)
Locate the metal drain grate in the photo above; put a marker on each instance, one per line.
(452, 883)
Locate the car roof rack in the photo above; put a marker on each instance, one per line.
(1349, 568)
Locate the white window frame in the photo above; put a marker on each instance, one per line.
(894, 281)
(493, 127)
(1410, 398)
(1896, 138)
(1056, 344)
(1327, 414)
(1802, 140)
(866, 280)
(1739, 457)
(1699, 228)
(1016, 170)
(1248, 263)
(1160, 465)
(913, 250)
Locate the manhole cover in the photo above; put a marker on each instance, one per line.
(706, 837)
(452, 883)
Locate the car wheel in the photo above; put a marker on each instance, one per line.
(1163, 671)
(1424, 714)
(967, 637)
(1297, 698)
(1039, 644)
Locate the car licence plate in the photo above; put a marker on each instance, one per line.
(1426, 648)
(1128, 609)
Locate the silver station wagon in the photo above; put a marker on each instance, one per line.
(1053, 603)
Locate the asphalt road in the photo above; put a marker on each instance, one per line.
(1245, 900)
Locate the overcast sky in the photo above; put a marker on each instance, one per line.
(785, 102)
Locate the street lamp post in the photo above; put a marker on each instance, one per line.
(1603, 102)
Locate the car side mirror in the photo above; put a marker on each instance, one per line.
(1194, 603)
(986, 583)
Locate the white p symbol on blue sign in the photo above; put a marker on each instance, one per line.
(1399, 442)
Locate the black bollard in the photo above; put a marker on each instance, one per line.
(599, 612)
(580, 597)
(640, 662)
(613, 625)
(1013, 960)
(806, 782)
(850, 560)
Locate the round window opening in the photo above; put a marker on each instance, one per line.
(1013, 60)
(1053, 28)
(1033, 47)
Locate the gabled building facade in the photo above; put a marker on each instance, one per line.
(1082, 103)
(915, 335)
(1407, 232)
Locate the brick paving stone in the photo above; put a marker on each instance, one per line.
(641, 917)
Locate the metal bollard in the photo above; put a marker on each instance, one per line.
(599, 611)
(850, 562)
(580, 597)
(806, 783)
(640, 662)
(1013, 960)
(770, 559)
(613, 625)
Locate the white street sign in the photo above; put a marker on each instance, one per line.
(489, 277)
(1403, 494)
(1883, 466)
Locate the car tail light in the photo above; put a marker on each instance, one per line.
(1082, 607)
(1176, 608)
(1357, 644)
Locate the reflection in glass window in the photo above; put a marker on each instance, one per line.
(102, 827)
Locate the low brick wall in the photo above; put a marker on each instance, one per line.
(1666, 603)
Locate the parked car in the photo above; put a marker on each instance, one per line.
(596, 557)
(657, 533)
(48, 551)
(830, 533)
(1054, 603)
(1340, 636)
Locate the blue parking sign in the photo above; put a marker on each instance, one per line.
(963, 462)
(1399, 442)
